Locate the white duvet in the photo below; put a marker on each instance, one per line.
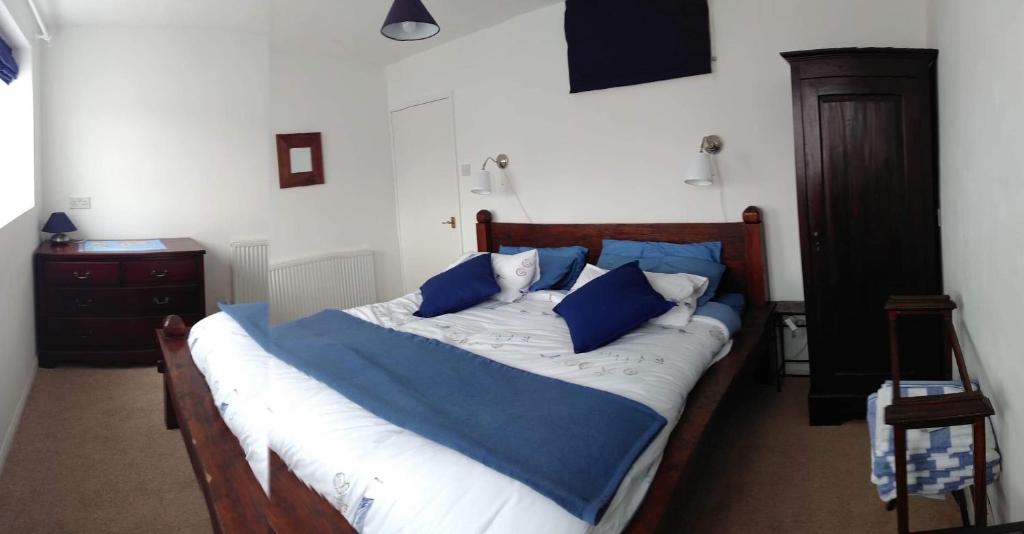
(384, 479)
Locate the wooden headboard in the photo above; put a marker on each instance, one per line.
(743, 249)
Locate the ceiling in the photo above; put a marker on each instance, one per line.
(347, 28)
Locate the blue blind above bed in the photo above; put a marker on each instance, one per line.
(612, 43)
(8, 66)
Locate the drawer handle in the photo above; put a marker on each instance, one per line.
(161, 301)
(160, 274)
(85, 335)
(83, 303)
(83, 276)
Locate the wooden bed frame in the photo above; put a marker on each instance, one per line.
(237, 503)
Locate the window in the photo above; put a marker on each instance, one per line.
(17, 128)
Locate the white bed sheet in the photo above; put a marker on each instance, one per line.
(385, 479)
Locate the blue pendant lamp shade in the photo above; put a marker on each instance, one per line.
(409, 20)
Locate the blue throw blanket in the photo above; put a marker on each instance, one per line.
(570, 443)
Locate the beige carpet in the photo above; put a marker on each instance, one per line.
(773, 473)
(92, 455)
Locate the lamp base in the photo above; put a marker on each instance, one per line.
(60, 239)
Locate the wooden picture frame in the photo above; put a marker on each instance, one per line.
(299, 159)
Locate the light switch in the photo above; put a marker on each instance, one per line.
(81, 203)
(467, 169)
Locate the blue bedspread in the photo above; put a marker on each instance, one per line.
(571, 443)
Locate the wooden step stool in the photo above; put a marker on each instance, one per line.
(967, 408)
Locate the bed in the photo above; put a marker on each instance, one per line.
(235, 496)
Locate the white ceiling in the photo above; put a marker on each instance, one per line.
(349, 28)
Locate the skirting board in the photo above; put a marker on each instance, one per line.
(12, 428)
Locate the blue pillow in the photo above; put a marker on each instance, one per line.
(736, 301)
(609, 307)
(714, 272)
(463, 286)
(559, 267)
(708, 250)
(724, 313)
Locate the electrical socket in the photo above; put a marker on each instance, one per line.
(81, 203)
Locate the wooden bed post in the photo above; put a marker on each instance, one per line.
(234, 497)
(757, 281)
(483, 230)
(173, 327)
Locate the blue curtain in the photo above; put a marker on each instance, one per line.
(8, 67)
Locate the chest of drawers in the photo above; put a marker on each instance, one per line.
(102, 308)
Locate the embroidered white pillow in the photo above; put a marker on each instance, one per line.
(683, 289)
(515, 273)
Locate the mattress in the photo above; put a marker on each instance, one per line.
(385, 479)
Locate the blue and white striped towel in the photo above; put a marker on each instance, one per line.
(939, 460)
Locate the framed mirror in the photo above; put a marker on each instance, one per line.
(299, 159)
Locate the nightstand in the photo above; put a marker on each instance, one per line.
(794, 310)
(102, 308)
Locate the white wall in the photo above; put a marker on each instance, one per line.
(981, 79)
(355, 207)
(166, 129)
(618, 155)
(18, 239)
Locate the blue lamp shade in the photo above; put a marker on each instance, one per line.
(59, 223)
(409, 20)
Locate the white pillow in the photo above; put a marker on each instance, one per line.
(513, 272)
(683, 289)
(675, 287)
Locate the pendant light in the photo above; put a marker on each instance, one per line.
(409, 20)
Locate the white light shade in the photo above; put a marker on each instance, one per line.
(699, 171)
(480, 183)
(502, 185)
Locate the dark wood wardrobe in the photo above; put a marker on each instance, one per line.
(866, 172)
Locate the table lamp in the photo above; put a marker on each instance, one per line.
(57, 225)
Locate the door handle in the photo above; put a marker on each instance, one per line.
(449, 222)
(817, 241)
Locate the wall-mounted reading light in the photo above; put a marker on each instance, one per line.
(701, 170)
(481, 183)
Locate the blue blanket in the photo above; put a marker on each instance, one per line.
(570, 443)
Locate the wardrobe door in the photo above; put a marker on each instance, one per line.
(870, 230)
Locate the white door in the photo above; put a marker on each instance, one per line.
(427, 185)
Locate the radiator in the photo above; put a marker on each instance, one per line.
(340, 280)
(249, 269)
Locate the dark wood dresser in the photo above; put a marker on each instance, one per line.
(102, 308)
